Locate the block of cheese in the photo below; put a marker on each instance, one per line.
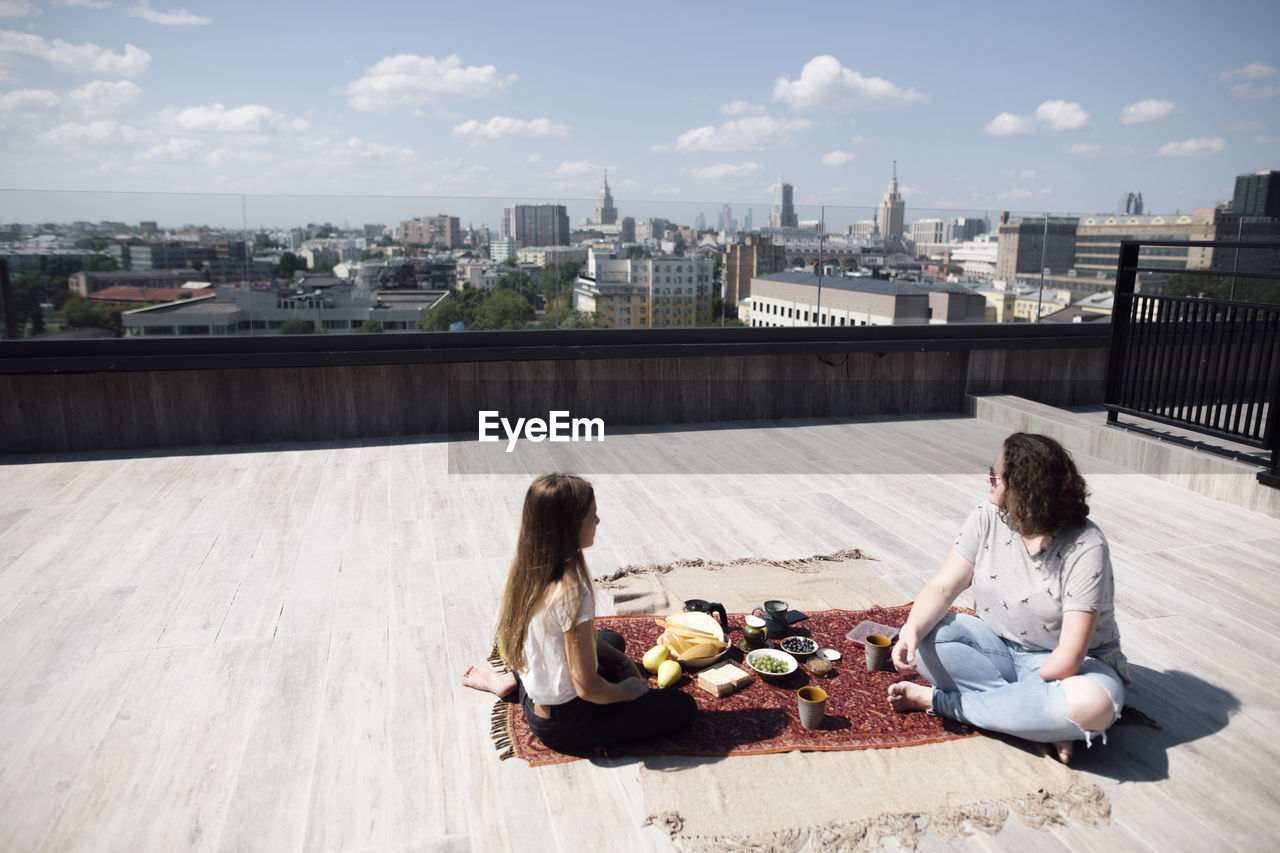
(723, 679)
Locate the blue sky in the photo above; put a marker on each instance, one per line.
(993, 106)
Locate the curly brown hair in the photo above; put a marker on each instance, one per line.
(1044, 492)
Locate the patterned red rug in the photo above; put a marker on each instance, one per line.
(762, 717)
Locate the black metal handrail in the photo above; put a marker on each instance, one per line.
(1211, 366)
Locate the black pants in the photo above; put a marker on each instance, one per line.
(580, 726)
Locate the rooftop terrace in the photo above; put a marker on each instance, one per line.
(256, 647)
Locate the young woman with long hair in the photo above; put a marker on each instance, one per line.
(1041, 659)
(578, 687)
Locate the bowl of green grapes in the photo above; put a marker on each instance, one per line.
(771, 664)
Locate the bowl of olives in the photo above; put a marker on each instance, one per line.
(771, 664)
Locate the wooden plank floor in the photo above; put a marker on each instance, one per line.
(257, 648)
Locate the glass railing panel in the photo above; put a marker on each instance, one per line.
(210, 265)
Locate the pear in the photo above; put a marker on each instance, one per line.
(654, 658)
(669, 673)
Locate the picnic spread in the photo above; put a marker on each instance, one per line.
(761, 716)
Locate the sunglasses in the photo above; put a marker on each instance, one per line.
(992, 477)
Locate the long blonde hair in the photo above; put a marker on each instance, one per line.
(547, 550)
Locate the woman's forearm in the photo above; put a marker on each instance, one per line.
(604, 692)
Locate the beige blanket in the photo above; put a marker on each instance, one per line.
(852, 800)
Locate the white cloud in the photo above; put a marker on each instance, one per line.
(1008, 124)
(1245, 126)
(1062, 115)
(741, 108)
(172, 18)
(1084, 149)
(1248, 91)
(1198, 147)
(359, 149)
(176, 150)
(85, 4)
(1017, 192)
(1057, 115)
(1025, 174)
(721, 171)
(825, 84)
(665, 192)
(859, 140)
(1251, 71)
(29, 101)
(533, 158)
(501, 127)
(1145, 111)
(577, 169)
(97, 132)
(215, 118)
(837, 158)
(406, 81)
(16, 47)
(753, 133)
(102, 97)
(16, 8)
(1263, 139)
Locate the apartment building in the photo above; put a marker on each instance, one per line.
(646, 293)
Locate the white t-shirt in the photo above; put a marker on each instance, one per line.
(1022, 597)
(547, 680)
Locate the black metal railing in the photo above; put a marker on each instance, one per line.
(1211, 366)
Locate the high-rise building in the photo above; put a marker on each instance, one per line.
(1027, 245)
(783, 214)
(1133, 204)
(700, 222)
(1257, 194)
(889, 218)
(744, 261)
(725, 220)
(746, 220)
(606, 213)
(441, 229)
(536, 224)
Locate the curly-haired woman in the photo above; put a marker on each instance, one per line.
(1041, 660)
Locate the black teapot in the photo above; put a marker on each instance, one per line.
(698, 605)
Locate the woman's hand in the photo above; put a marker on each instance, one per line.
(1073, 645)
(904, 652)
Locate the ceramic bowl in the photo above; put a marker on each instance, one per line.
(787, 659)
(798, 647)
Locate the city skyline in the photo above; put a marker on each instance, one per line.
(688, 108)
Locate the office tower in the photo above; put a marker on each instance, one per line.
(783, 214)
(725, 222)
(1133, 203)
(746, 220)
(892, 206)
(700, 222)
(606, 213)
(1257, 194)
(536, 224)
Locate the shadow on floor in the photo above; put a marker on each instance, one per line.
(1186, 707)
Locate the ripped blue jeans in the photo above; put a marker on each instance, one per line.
(987, 681)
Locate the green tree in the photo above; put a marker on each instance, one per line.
(1218, 286)
(295, 326)
(504, 309)
(442, 315)
(289, 264)
(29, 289)
(570, 319)
(83, 313)
(371, 327)
(680, 246)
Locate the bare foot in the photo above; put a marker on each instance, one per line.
(481, 677)
(1062, 749)
(905, 696)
